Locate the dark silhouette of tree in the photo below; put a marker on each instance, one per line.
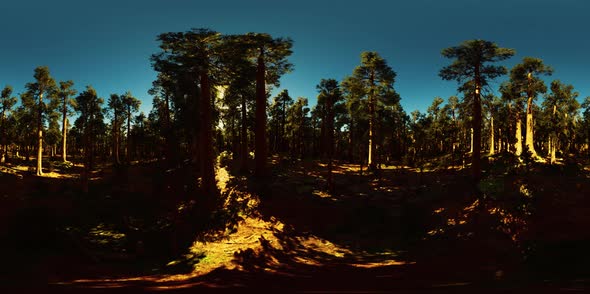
(271, 63)
(296, 126)
(43, 86)
(353, 92)
(89, 122)
(471, 64)
(116, 106)
(131, 105)
(278, 113)
(7, 101)
(328, 98)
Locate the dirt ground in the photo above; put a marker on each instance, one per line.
(398, 230)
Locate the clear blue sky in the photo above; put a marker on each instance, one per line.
(108, 43)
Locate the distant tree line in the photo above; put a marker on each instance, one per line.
(212, 96)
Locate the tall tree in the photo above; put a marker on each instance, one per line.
(117, 107)
(7, 101)
(525, 79)
(64, 93)
(89, 121)
(43, 86)
(514, 100)
(354, 92)
(562, 107)
(586, 122)
(284, 101)
(471, 63)
(329, 96)
(271, 63)
(377, 80)
(296, 126)
(131, 105)
(193, 59)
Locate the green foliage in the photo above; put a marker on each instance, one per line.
(525, 77)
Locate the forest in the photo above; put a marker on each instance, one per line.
(222, 185)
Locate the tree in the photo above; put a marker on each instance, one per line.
(44, 85)
(117, 107)
(296, 126)
(376, 78)
(357, 115)
(283, 101)
(514, 101)
(193, 60)
(64, 93)
(525, 79)
(493, 105)
(7, 101)
(89, 122)
(131, 105)
(328, 98)
(271, 63)
(562, 107)
(437, 121)
(471, 64)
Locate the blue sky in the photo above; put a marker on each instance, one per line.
(107, 43)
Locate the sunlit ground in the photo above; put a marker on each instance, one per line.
(254, 245)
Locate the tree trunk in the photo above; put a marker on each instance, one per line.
(492, 147)
(372, 143)
(3, 147)
(475, 156)
(351, 141)
(500, 142)
(207, 157)
(552, 148)
(529, 127)
(116, 138)
(518, 135)
(244, 141)
(127, 154)
(471, 136)
(260, 136)
(330, 139)
(64, 131)
(40, 138)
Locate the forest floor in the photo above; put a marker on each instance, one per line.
(522, 228)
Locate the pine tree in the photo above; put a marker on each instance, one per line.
(470, 64)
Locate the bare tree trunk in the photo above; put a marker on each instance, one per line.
(351, 141)
(207, 158)
(492, 147)
(475, 159)
(529, 127)
(372, 143)
(127, 154)
(552, 149)
(244, 141)
(500, 143)
(471, 146)
(40, 138)
(518, 135)
(116, 137)
(64, 131)
(260, 136)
